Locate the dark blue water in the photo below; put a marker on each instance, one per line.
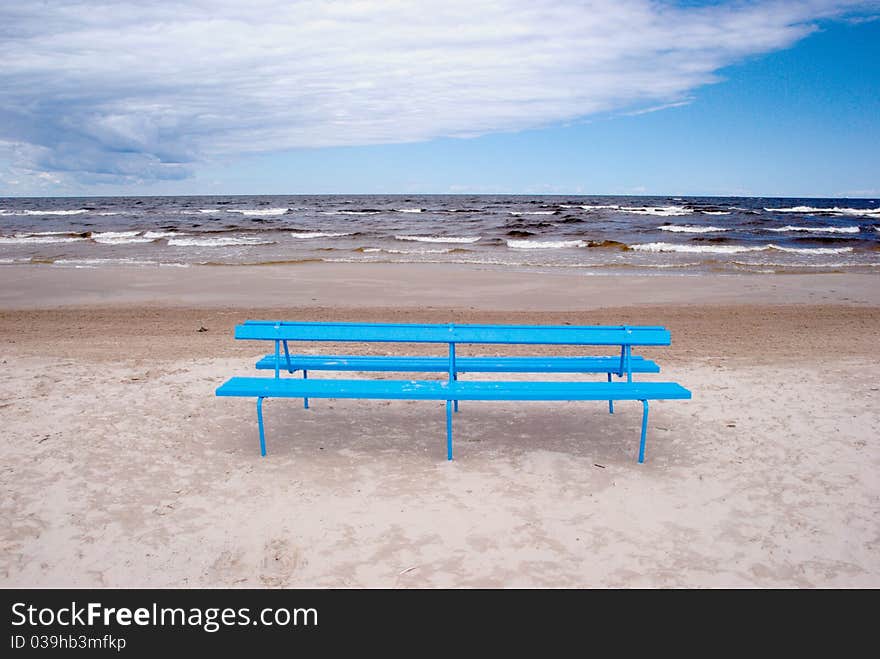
(597, 234)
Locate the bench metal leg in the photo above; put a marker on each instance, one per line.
(644, 431)
(449, 430)
(260, 424)
(610, 402)
(455, 404)
(305, 400)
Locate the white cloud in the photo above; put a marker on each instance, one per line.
(130, 91)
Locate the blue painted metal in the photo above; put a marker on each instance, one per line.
(610, 402)
(453, 390)
(644, 431)
(445, 390)
(260, 424)
(421, 364)
(449, 430)
(453, 372)
(287, 358)
(423, 333)
(305, 400)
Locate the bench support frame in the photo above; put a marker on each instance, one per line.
(644, 431)
(449, 410)
(280, 333)
(260, 424)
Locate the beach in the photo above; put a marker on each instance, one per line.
(121, 468)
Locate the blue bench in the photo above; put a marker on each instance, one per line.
(452, 389)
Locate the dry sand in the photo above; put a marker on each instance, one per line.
(120, 467)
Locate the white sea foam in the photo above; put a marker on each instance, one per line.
(219, 242)
(440, 239)
(734, 249)
(154, 235)
(545, 244)
(408, 210)
(598, 207)
(318, 234)
(686, 228)
(350, 212)
(813, 250)
(867, 212)
(834, 264)
(93, 263)
(696, 249)
(200, 211)
(715, 212)
(258, 212)
(531, 212)
(818, 229)
(23, 239)
(119, 237)
(665, 211)
(78, 211)
(446, 250)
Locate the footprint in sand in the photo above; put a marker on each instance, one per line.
(280, 560)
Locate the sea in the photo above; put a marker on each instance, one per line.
(586, 234)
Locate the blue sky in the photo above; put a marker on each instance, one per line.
(625, 97)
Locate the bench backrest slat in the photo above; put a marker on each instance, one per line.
(454, 333)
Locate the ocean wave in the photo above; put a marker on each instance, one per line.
(319, 234)
(812, 250)
(440, 239)
(734, 249)
(715, 212)
(608, 244)
(835, 210)
(834, 264)
(818, 229)
(155, 235)
(694, 249)
(258, 212)
(592, 207)
(531, 212)
(24, 239)
(71, 234)
(664, 211)
(545, 244)
(373, 250)
(687, 228)
(350, 212)
(407, 210)
(219, 242)
(93, 263)
(120, 237)
(78, 211)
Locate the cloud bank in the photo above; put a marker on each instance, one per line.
(119, 91)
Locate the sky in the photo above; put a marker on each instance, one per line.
(773, 98)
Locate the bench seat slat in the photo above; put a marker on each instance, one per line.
(600, 364)
(456, 390)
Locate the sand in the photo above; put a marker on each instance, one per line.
(121, 468)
